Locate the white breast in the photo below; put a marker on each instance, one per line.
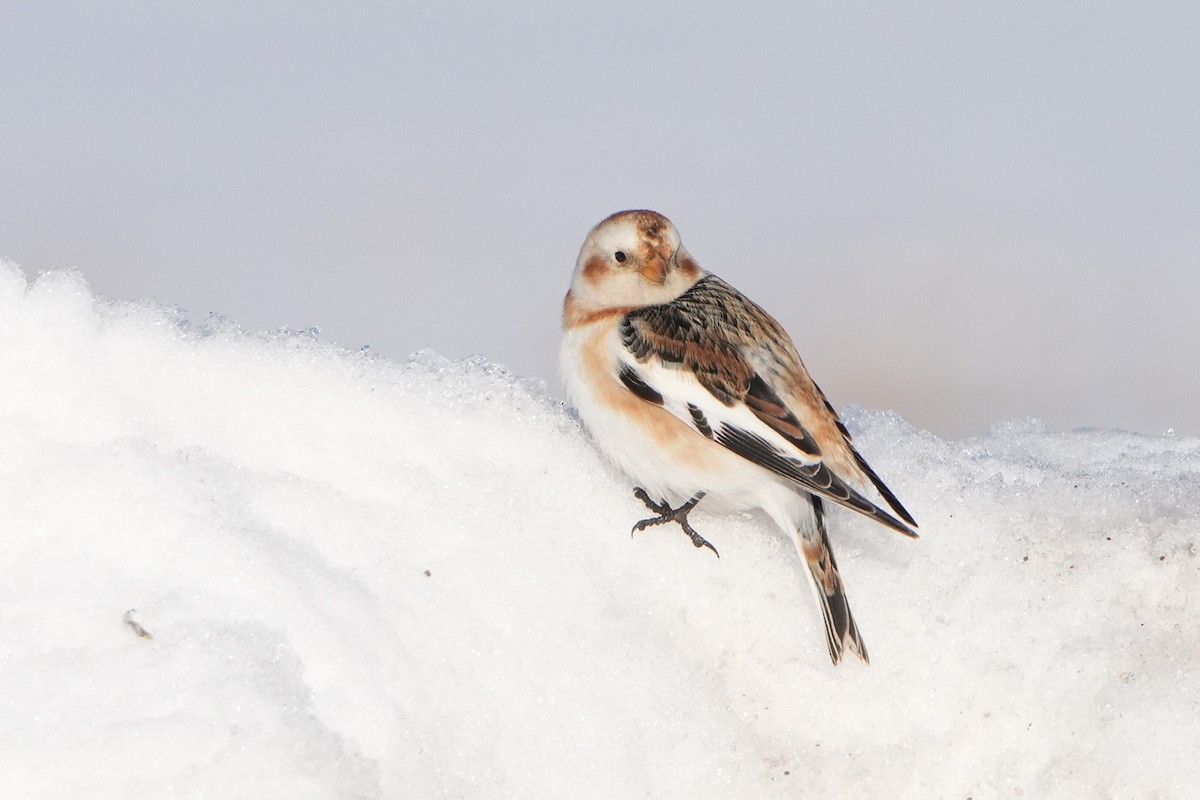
(662, 454)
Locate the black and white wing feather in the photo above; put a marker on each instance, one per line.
(722, 365)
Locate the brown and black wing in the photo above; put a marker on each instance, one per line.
(710, 331)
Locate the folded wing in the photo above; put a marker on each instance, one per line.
(717, 361)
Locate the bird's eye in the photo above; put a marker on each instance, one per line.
(620, 256)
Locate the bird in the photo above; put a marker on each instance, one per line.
(697, 393)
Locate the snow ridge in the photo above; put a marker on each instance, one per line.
(360, 578)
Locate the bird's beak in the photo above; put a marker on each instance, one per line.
(655, 269)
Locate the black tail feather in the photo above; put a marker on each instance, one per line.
(841, 632)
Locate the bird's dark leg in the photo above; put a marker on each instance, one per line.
(667, 514)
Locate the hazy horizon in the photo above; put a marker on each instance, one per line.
(964, 214)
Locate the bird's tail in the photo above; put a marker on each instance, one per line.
(840, 631)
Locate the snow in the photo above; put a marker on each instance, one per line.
(360, 578)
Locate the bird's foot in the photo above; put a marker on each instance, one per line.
(667, 514)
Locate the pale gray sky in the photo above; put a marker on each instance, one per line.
(965, 212)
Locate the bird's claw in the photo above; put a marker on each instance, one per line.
(667, 514)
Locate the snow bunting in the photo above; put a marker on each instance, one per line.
(697, 393)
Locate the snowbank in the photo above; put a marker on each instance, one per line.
(360, 578)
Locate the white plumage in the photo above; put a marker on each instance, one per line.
(696, 392)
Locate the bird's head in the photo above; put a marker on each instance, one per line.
(632, 259)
